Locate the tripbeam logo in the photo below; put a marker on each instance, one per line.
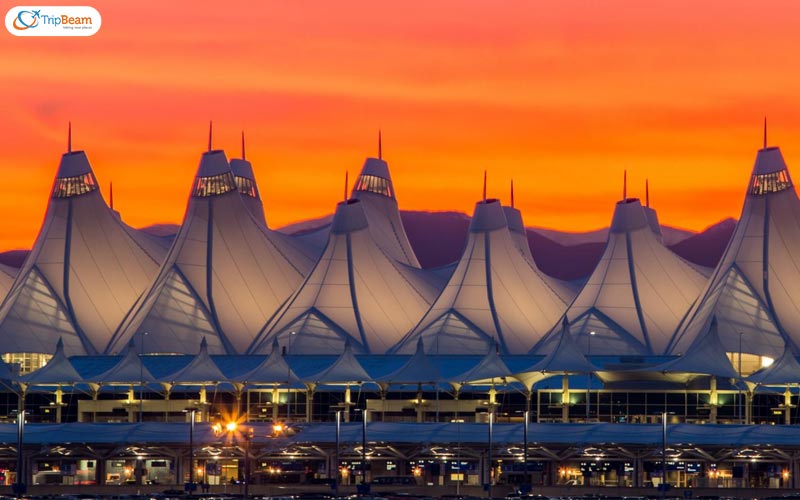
(53, 21)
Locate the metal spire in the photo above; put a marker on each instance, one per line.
(647, 193)
(484, 185)
(69, 137)
(210, 128)
(765, 132)
(380, 146)
(346, 182)
(243, 157)
(512, 193)
(624, 185)
(111, 194)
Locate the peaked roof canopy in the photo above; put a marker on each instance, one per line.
(224, 277)
(754, 293)
(345, 370)
(494, 296)
(637, 294)
(356, 293)
(201, 370)
(129, 369)
(375, 189)
(85, 271)
(58, 370)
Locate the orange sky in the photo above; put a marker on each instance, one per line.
(560, 95)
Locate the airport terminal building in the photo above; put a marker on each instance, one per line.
(118, 345)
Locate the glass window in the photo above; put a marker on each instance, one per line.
(770, 183)
(214, 185)
(374, 184)
(247, 187)
(66, 187)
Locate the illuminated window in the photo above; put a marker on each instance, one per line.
(27, 361)
(246, 186)
(66, 187)
(750, 363)
(214, 185)
(374, 184)
(770, 183)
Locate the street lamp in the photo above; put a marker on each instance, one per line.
(336, 452)
(527, 484)
(589, 384)
(663, 454)
(489, 453)
(364, 488)
(20, 487)
(192, 413)
(248, 433)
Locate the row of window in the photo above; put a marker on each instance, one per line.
(247, 187)
(374, 184)
(214, 185)
(66, 187)
(770, 183)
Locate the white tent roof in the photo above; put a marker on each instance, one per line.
(636, 295)
(566, 358)
(224, 277)
(494, 296)
(490, 369)
(7, 276)
(355, 292)
(201, 370)
(129, 369)
(418, 369)
(519, 235)
(705, 356)
(345, 370)
(273, 370)
(785, 370)
(58, 370)
(248, 188)
(85, 271)
(755, 289)
(375, 190)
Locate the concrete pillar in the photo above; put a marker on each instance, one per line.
(100, 471)
(347, 403)
(538, 407)
(787, 403)
(275, 396)
(748, 407)
(420, 409)
(21, 398)
(203, 406)
(309, 404)
(713, 401)
(247, 407)
(565, 399)
(131, 405)
(59, 402)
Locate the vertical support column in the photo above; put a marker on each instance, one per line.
(59, 402)
(420, 409)
(787, 403)
(538, 406)
(247, 406)
(565, 399)
(748, 406)
(347, 403)
(309, 404)
(275, 396)
(100, 471)
(203, 405)
(131, 406)
(713, 401)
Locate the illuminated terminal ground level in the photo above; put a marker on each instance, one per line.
(437, 454)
